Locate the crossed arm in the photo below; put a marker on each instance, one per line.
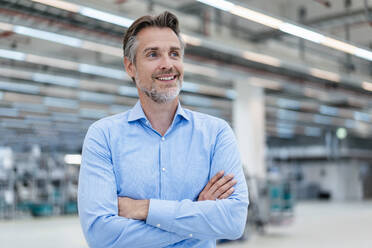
(219, 187)
(160, 222)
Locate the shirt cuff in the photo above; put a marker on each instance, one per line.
(161, 214)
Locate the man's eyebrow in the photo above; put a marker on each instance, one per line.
(150, 49)
(173, 48)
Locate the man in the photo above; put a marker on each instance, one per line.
(154, 175)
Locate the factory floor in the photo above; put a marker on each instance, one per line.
(317, 224)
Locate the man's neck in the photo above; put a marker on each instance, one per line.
(160, 115)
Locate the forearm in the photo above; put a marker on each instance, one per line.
(114, 231)
(220, 219)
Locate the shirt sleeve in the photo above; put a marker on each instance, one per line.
(98, 203)
(220, 219)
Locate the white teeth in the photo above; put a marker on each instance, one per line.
(166, 78)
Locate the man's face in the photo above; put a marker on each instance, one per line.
(158, 70)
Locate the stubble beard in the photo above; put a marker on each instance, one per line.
(160, 97)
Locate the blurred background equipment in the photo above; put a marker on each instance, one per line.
(37, 184)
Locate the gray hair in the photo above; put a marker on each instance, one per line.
(164, 20)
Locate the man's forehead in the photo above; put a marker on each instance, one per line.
(154, 37)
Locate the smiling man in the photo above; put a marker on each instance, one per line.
(160, 175)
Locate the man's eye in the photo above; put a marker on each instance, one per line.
(153, 54)
(175, 54)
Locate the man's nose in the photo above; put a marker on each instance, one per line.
(165, 62)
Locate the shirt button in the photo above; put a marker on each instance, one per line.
(163, 169)
(162, 138)
(158, 225)
(190, 235)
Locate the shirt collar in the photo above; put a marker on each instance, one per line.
(136, 113)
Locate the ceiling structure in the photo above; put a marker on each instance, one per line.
(61, 66)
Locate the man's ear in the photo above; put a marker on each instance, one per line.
(129, 67)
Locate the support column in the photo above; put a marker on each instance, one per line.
(249, 127)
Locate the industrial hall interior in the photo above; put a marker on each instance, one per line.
(293, 80)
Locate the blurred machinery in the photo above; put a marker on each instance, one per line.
(272, 202)
(32, 183)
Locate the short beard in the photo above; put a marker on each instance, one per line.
(160, 97)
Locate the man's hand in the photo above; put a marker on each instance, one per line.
(133, 209)
(219, 187)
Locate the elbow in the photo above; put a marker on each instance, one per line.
(238, 230)
(91, 233)
(94, 234)
(239, 219)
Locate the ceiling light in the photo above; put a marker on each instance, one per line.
(256, 17)
(289, 28)
(339, 45)
(341, 133)
(17, 87)
(96, 97)
(106, 17)
(89, 12)
(57, 80)
(92, 113)
(61, 102)
(367, 86)
(60, 4)
(64, 64)
(96, 47)
(190, 87)
(12, 55)
(196, 101)
(6, 26)
(191, 40)
(302, 32)
(102, 71)
(325, 75)
(363, 53)
(261, 58)
(265, 83)
(15, 73)
(63, 39)
(73, 159)
(128, 91)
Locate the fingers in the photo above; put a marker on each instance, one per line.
(216, 186)
(213, 180)
(219, 187)
(221, 190)
(226, 194)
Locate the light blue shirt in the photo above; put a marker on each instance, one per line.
(124, 156)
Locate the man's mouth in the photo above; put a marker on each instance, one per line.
(166, 77)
